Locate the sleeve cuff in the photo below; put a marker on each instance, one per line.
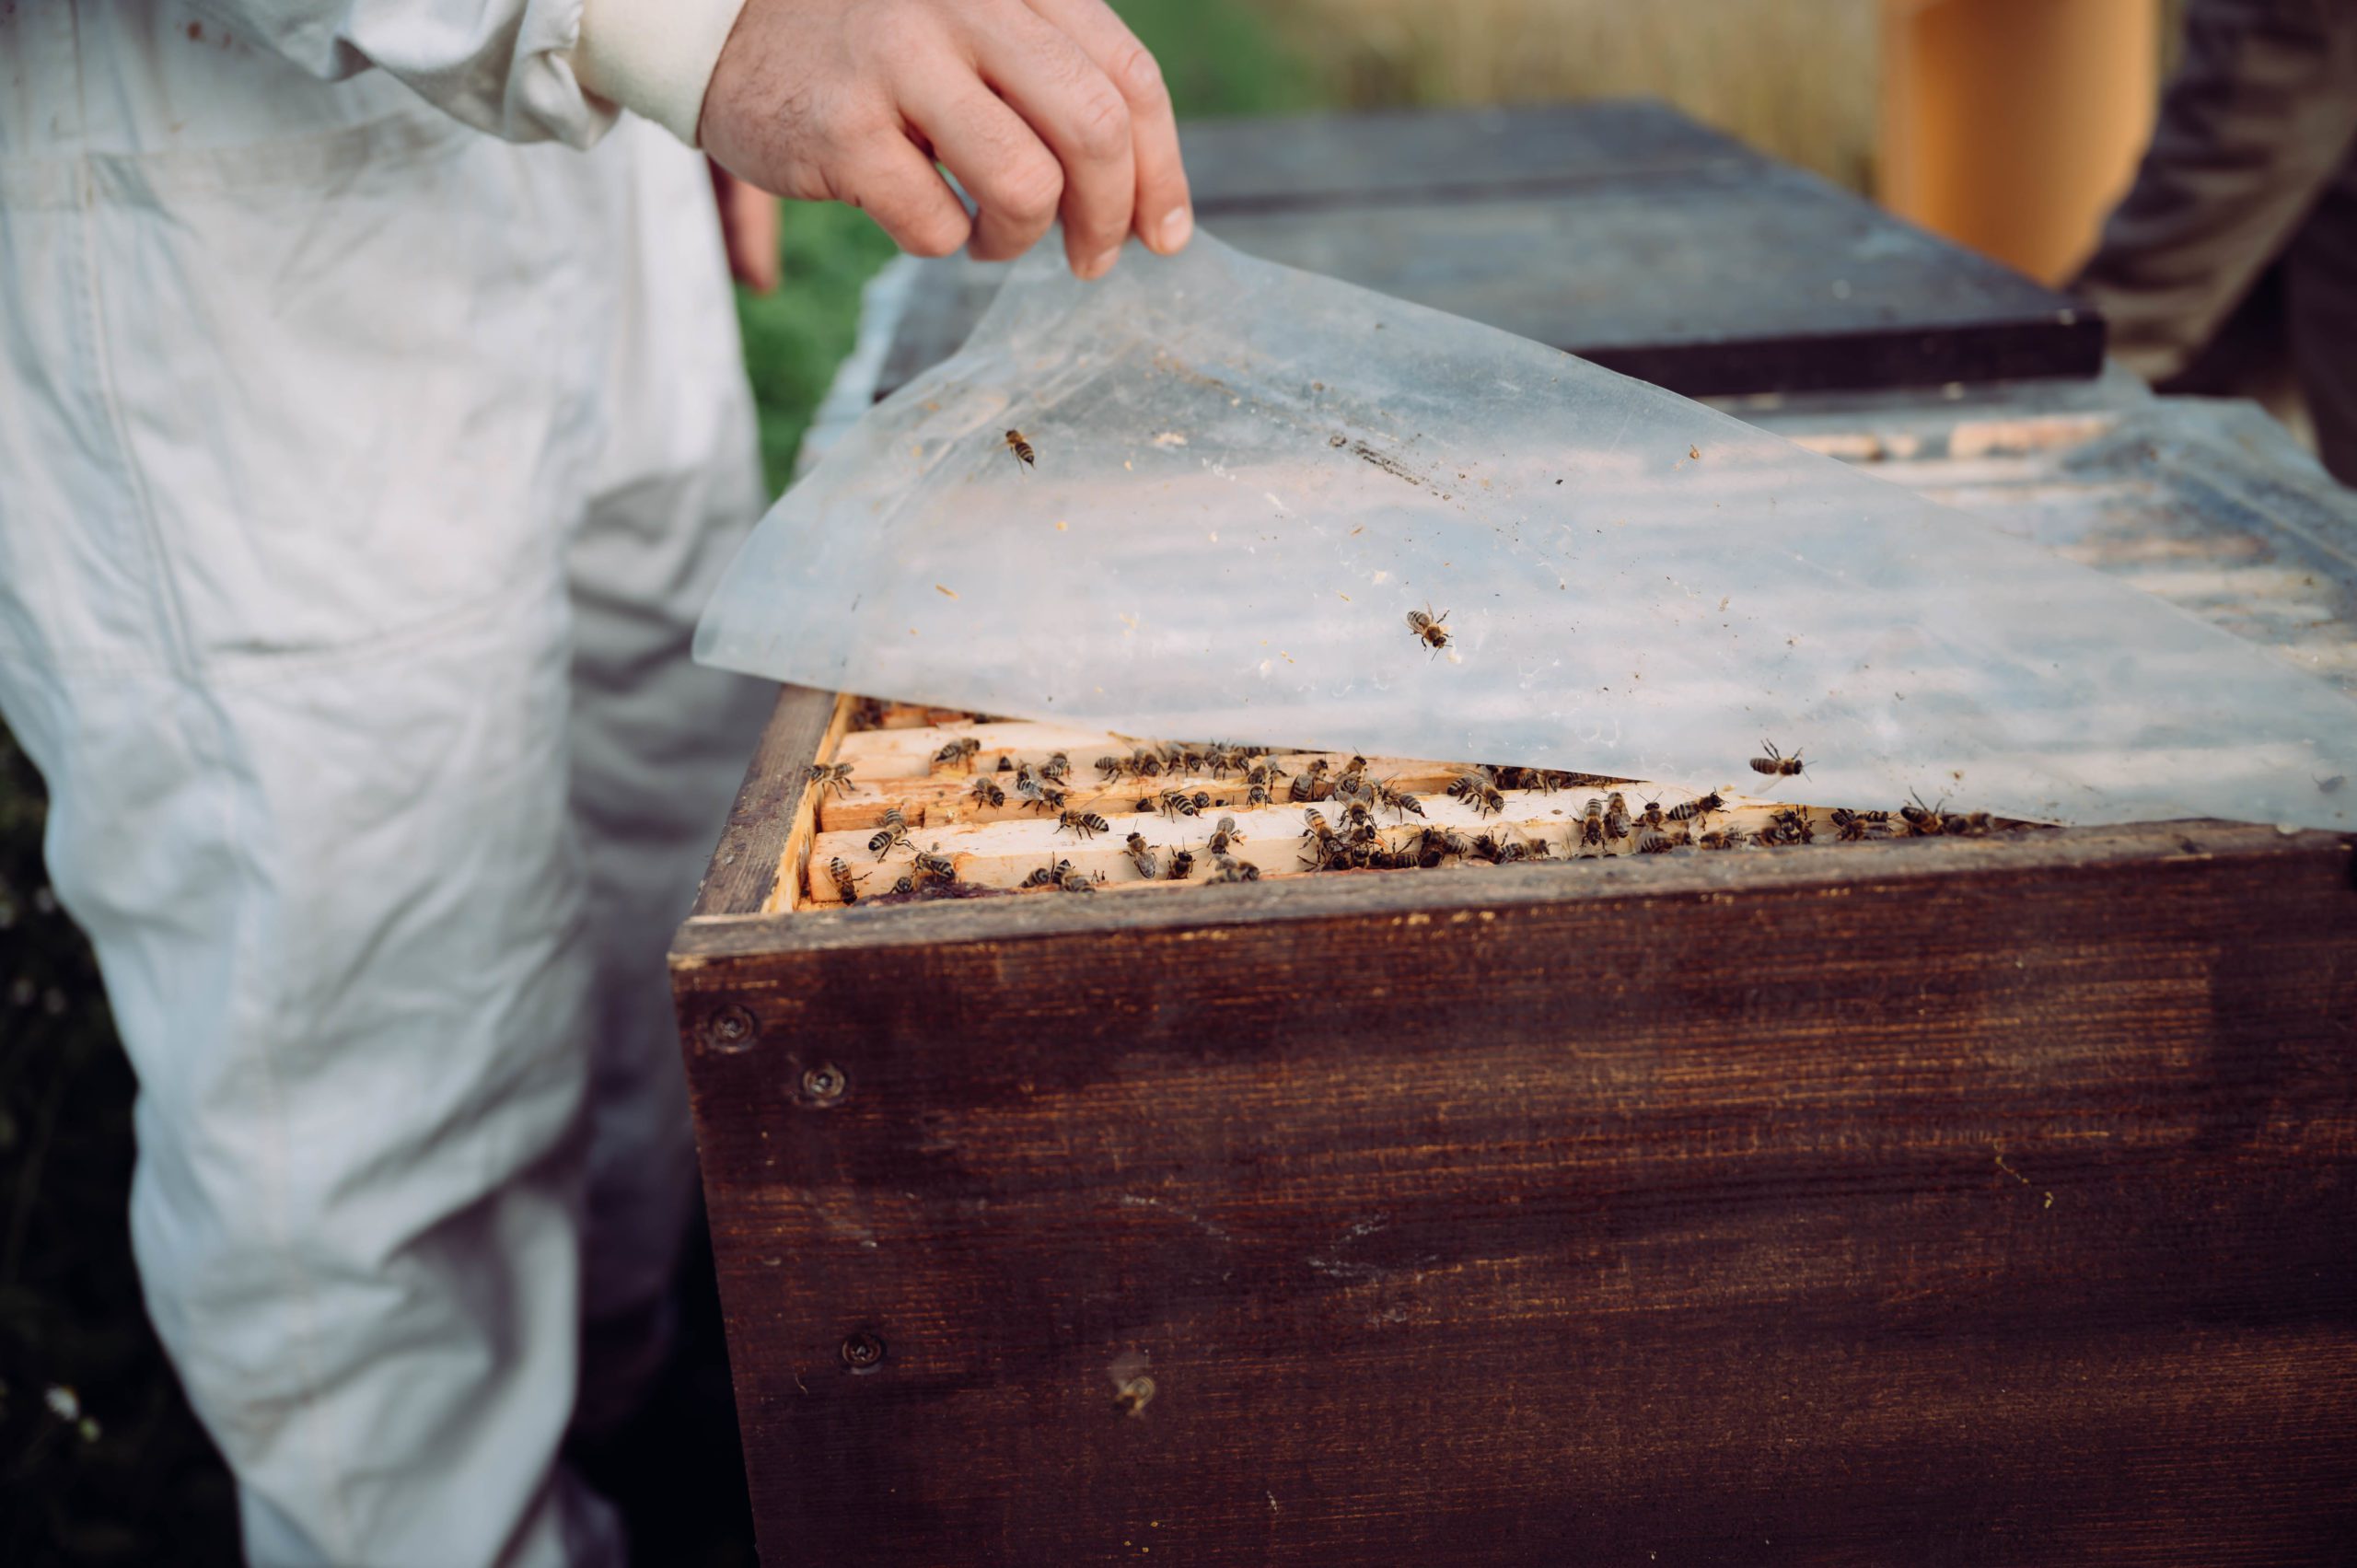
(654, 57)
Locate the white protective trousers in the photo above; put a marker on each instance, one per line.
(361, 475)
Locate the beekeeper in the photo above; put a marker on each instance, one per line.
(363, 466)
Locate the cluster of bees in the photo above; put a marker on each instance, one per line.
(1347, 835)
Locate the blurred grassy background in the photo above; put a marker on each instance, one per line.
(127, 1476)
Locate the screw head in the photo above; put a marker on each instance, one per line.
(825, 1083)
(862, 1352)
(732, 1027)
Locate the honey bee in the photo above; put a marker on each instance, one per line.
(1057, 769)
(1429, 627)
(1182, 865)
(1436, 844)
(1265, 771)
(1970, 824)
(1144, 763)
(1142, 855)
(1616, 816)
(1700, 805)
(1653, 841)
(1110, 768)
(1721, 838)
(1047, 876)
(835, 776)
(1852, 826)
(959, 753)
(1651, 816)
(846, 885)
(1023, 455)
(1310, 783)
(894, 833)
(1922, 821)
(1398, 801)
(1234, 871)
(1081, 824)
(1790, 826)
(1224, 837)
(1177, 803)
(1359, 817)
(1590, 827)
(1474, 789)
(905, 885)
(1776, 764)
(1257, 794)
(986, 792)
(934, 865)
(1073, 881)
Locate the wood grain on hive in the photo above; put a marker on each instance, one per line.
(1620, 231)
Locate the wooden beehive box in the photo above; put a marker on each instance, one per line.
(1980, 1198)
(1984, 1198)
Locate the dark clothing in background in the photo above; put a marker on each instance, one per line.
(2243, 216)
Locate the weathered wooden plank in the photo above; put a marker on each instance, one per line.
(1977, 1200)
(743, 875)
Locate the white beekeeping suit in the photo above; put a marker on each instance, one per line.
(361, 471)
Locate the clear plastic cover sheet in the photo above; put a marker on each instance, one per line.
(1246, 477)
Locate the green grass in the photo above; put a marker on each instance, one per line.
(140, 1483)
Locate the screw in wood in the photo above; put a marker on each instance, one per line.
(862, 1352)
(732, 1027)
(825, 1083)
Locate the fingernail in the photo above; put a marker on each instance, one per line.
(1176, 224)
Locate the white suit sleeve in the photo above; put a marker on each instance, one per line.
(526, 70)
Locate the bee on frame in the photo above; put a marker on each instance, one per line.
(1776, 764)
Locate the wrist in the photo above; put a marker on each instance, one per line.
(654, 57)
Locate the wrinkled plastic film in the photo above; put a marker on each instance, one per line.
(1247, 476)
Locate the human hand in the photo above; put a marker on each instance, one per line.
(1038, 106)
(749, 230)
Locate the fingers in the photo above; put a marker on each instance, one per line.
(898, 186)
(1045, 77)
(1015, 181)
(749, 229)
(1163, 211)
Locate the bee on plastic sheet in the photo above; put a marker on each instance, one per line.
(1224, 837)
(1474, 789)
(1142, 855)
(1700, 805)
(985, 793)
(846, 885)
(932, 866)
(959, 753)
(1429, 627)
(1081, 824)
(1776, 764)
(1182, 865)
(1023, 455)
(1922, 821)
(1047, 876)
(892, 835)
(1588, 833)
(1057, 769)
(834, 776)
